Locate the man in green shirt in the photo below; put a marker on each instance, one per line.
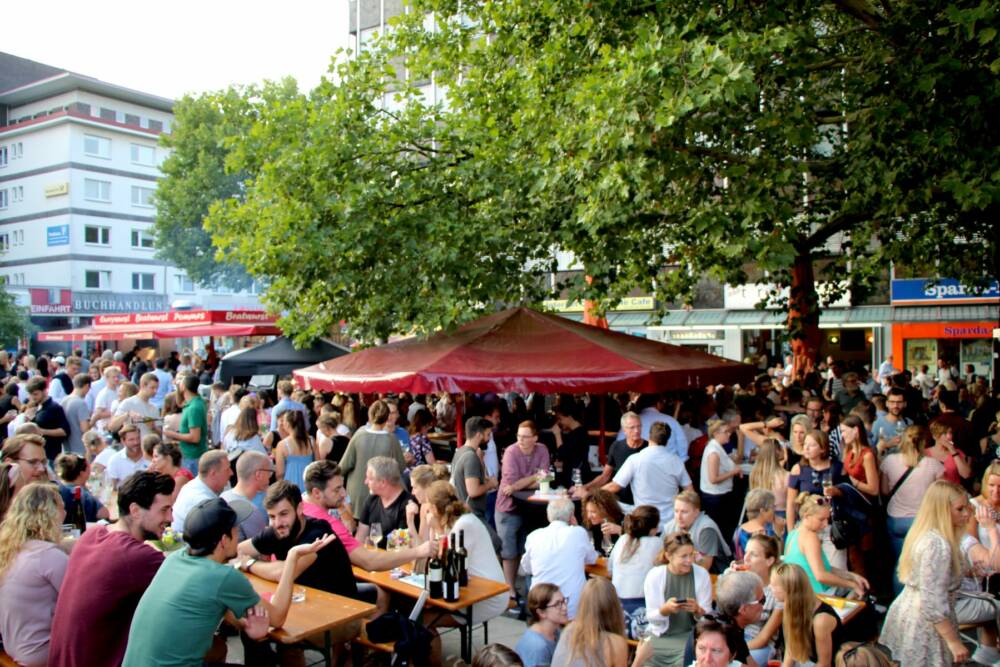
(193, 434)
(195, 589)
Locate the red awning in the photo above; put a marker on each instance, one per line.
(524, 350)
(171, 324)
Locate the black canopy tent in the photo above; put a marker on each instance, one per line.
(277, 357)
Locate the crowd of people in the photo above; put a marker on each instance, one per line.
(732, 521)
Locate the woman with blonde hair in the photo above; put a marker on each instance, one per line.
(244, 433)
(921, 627)
(22, 461)
(812, 629)
(32, 567)
(717, 473)
(596, 637)
(769, 473)
(906, 475)
(956, 466)
(421, 479)
(804, 548)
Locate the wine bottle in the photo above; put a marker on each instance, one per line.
(462, 556)
(79, 517)
(435, 587)
(451, 591)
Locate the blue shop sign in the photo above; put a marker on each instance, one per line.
(58, 235)
(945, 290)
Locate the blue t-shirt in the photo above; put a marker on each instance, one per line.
(534, 649)
(883, 428)
(91, 505)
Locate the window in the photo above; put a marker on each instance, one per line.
(143, 282)
(96, 190)
(18, 238)
(142, 239)
(97, 279)
(97, 235)
(156, 125)
(4, 195)
(108, 114)
(16, 152)
(142, 196)
(3, 156)
(183, 284)
(144, 155)
(131, 119)
(95, 146)
(4, 242)
(17, 193)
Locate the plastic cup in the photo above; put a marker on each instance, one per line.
(298, 594)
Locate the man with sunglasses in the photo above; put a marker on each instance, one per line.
(739, 601)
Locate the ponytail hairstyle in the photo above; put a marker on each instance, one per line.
(442, 497)
(638, 525)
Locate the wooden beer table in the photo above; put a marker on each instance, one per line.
(598, 569)
(321, 612)
(479, 589)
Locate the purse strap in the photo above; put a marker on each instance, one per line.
(898, 484)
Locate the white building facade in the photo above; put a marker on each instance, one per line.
(79, 164)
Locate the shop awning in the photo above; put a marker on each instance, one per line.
(170, 324)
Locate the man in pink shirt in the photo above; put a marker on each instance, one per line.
(324, 492)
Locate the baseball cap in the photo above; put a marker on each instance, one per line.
(210, 519)
(61, 360)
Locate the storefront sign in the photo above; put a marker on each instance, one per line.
(680, 334)
(109, 302)
(946, 290)
(185, 317)
(57, 189)
(50, 302)
(57, 235)
(629, 303)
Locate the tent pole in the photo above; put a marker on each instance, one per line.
(600, 439)
(459, 430)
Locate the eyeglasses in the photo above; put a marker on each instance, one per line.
(35, 463)
(561, 603)
(762, 600)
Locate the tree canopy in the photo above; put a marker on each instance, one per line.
(14, 320)
(655, 141)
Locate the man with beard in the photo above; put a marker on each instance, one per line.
(328, 569)
(195, 589)
(108, 571)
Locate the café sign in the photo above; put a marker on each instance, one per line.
(629, 303)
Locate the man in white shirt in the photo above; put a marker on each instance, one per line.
(655, 474)
(651, 413)
(129, 459)
(558, 553)
(105, 399)
(139, 409)
(166, 383)
(213, 475)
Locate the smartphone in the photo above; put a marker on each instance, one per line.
(681, 600)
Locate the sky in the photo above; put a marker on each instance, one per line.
(181, 46)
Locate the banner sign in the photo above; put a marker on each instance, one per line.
(945, 290)
(186, 317)
(57, 235)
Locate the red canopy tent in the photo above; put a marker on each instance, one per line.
(524, 350)
(171, 324)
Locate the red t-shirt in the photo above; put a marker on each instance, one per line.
(108, 572)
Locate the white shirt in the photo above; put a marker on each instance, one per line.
(190, 495)
(725, 465)
(557, 555)
(678, 440)
(491, 459)
(120, 466)
(104, 457)
(228, 418)
(144, 408)
(105, 400)
(629, 577)
(653, 587)
(165, 387)
(656, 476)
(56, 391)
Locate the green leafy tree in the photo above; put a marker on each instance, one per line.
(195, 177)
(14, 320)
(655, 141)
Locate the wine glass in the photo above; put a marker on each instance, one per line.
(606, 545)
(827, 484)
(375, 534)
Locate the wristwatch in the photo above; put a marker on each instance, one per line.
(246, 566)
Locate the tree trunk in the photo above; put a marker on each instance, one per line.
(803, 317)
